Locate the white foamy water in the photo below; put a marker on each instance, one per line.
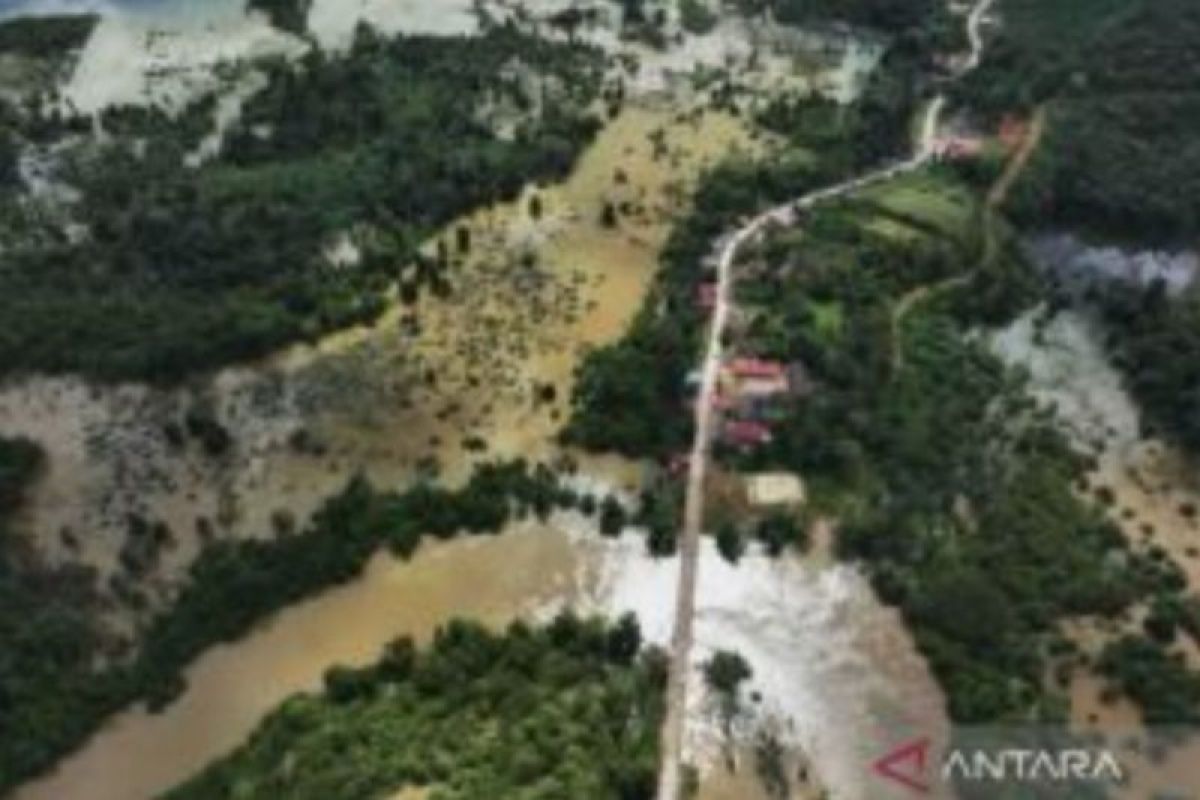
(834, 671)
(138, 58)
(1069, 370)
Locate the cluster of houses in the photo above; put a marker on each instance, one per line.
(751, 396)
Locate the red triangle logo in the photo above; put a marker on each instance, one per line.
(905, 765)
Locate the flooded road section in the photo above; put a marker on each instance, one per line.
(833, 670)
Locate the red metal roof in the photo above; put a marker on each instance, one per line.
(756, 368)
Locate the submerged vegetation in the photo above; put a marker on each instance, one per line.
(568, 710)
(48, 673)
(160, 269)
(1119, 159)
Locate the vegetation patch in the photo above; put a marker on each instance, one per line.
(954, 489)
(1118, 156)
(167, 270)
(50, 641)
(569, 710)
(50, 36)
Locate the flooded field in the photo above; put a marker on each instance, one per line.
(834, 672)
(430, 389)
(1147, 488)
(435, 386)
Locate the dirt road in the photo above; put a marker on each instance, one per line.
(706, 420)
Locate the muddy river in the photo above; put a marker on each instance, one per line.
(834, 672)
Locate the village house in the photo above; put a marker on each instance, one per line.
(745, 434)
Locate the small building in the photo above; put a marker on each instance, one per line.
(745, 433)
(775, 489)
(755, 368)
(763, 387)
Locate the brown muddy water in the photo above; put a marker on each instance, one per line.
(232, 687)
(405, 394)
(833, 670)
(528, 301)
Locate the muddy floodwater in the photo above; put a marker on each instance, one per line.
(834, 672)
(438, 385)
(232, 687)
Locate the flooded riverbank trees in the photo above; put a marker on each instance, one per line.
(170, 269)
(569, 710)
(49, 676)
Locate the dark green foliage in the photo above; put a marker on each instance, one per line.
(547, 713)
(46, 36)
(730, 543)
(1119, 156)
(779, 531)
(612, 516)
(287, 15)
(10, 174)
(1156, 342)
(660, 512)
(629, 397)
(50, 639)
(191, 268)
(1160, 682)
(696, 17)
(20, 461)
(725, 672)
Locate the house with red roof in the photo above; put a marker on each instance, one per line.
(745, 433)
(756, 368)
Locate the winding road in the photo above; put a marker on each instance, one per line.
(693, 517)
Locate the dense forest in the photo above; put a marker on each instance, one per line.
(51, 690)
(1123, 81)
(570, 710)
(1155, 340)
(180, 269)
(1119, 159)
